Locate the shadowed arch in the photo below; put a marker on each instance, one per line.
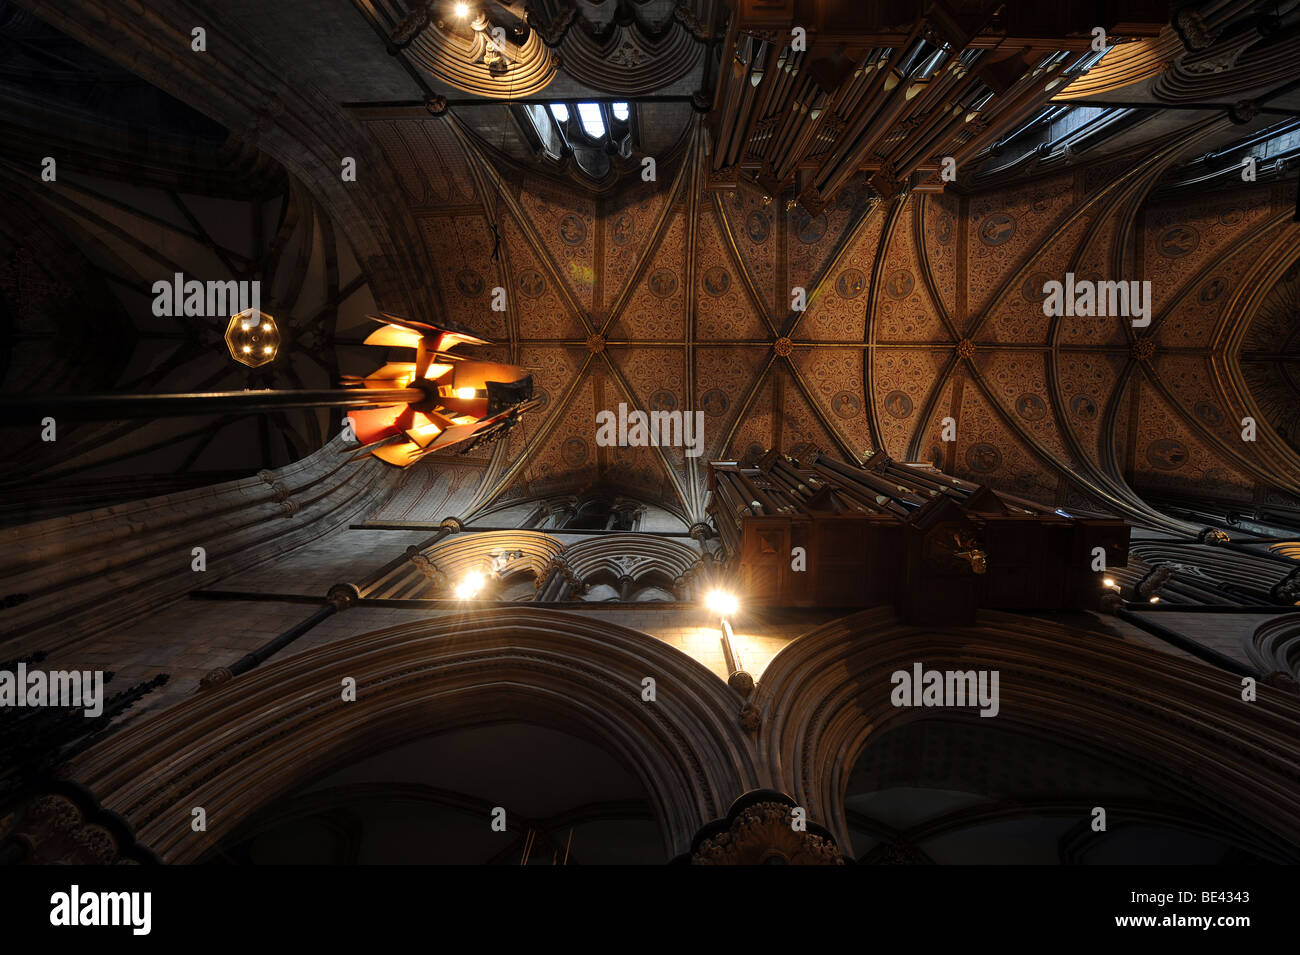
(826, 695)
(268, 732)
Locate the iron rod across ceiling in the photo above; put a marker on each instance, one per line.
(28, 409)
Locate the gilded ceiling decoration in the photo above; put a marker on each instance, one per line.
(922, 308)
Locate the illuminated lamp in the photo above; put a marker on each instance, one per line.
(463, 400)
(252, 337)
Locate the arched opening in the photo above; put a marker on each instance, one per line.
(938, 791)
(555, 799)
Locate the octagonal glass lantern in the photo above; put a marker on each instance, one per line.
(252, 337)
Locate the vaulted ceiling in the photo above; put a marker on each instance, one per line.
(923, 301)
(671, 296)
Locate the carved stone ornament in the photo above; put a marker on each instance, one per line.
(1191, 29)
(762, 834)
(56, 831)
(215, 677)
(741, 682)
(343, 596)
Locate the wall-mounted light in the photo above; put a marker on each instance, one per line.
(721, 602)
(462, 10)
(470, 585)
(724, 604)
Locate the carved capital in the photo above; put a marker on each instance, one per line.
(214, 678)
(411, 25)
(761, 833)
(741, 682)
(343, 596)
(1192, 31)
(56, 831)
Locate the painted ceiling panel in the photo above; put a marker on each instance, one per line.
(903, 379)
(696, 309)
(834, 379)
(837, 311)
(656, 310)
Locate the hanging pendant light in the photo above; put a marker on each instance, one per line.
(463, 400)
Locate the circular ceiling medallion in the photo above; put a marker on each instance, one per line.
(1209, 413)
(758, 226)
(531, 283)
(1082, 406)
(624, 229)
(714, 403)
(851, 283)
(783, 346)
(717, 280)
(900, 284)
(846, 404)
(1031, 407)
(575, 452)
(469, 282)
(983, 457)
(1179, 240)
(898, 404)
(944, 230)
(1212, 289)
(808, 228)
(1032, 290)
(573, 230)
(663, 400)
(997, 228)
(663, 283)
(1167, 454)
(595, 344)
(1231, 217)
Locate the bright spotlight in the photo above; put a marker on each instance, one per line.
(465, 392)
(470, 585)
(1109, 582)
(462, 10)
(721, 602)
(1154, 600)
